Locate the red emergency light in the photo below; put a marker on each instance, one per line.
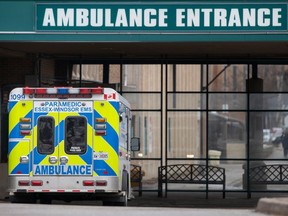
(41, 91)
(85, 91)
(62, 91)
(28, 90)
(97, 90)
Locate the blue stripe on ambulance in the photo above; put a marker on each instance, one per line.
(23, 168)
(100, 166)
(61, 135)
(112, 139)
(38, 157)
(88, 117)
(11, 146)
(37, 115)
(115, 105)
(87, 157)
(12, 104)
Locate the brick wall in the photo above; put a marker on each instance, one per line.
(13, 70)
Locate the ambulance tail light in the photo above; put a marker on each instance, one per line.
(25, 132)
(25, 126)
(100, 133)
(36, 182)
(88, 183)
(25, 120)
(100, 120)
(23, 183)
(100, 126)
(101, 183)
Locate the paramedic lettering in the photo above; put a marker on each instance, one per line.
(63, 106)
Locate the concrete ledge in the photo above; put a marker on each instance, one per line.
(275, 206)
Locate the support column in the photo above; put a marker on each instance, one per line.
(254, 85)
(106, 73)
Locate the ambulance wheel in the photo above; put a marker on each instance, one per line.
(125, 188)
(45, 201)
(121, 201)
(22, 198)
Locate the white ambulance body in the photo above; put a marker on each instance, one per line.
(69, 143)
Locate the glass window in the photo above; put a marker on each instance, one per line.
(184, 135)
(87, 73)
(45, 138)
(76, 135)
(227, 77)
(227, 134)
(141, 77)
(181, 77)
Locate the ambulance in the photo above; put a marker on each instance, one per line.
(69, 143)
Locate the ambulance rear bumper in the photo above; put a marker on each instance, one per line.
(63, 184)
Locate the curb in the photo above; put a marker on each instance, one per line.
(278, 206)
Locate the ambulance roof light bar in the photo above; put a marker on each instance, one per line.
(62, 91)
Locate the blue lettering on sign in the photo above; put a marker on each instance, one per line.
(62, 170)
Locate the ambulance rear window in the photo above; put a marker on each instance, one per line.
(76, 135)
(45, 135)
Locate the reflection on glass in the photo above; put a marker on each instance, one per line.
(45, 144)
(76, 135)
(227, 133)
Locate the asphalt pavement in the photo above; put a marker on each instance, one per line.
(268, 203)
(149, 203)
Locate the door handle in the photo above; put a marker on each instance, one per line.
(63, 160)
(53, 159)
(24, 159)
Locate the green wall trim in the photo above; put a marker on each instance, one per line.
(143, 37)
(18, 22)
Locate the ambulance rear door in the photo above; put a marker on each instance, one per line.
(45, 137)
(76, 143)
(63, 137)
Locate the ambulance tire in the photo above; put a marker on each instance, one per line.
(22, 198)
(45, 201)
(123, 200)
(125, 187)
